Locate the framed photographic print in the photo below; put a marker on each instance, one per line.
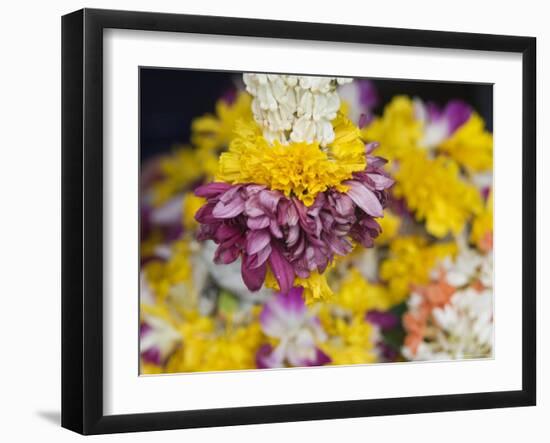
(273, 221)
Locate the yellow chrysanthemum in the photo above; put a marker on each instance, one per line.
(390, 225)
(350, 341)
(316, 287)
(191, 204)
(482, 227)
(214, 132)
(162, 277)
(435, 192)
(409, 263)
(398, 131)
(179, 169)
(298, 169)
(471, 145)
(205, 349)
(358, 295)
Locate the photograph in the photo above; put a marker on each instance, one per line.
(292, 221)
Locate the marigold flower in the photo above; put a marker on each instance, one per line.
(298, 169)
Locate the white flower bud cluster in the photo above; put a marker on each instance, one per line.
(294, 108)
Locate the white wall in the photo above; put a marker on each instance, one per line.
(30, 222)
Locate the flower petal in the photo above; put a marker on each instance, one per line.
(256, 241)
(253, 278)
(256, 223)
(229, 210)
(212, 189)
(364, 198)
(282, 269)
(381, 182)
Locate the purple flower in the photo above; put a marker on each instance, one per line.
(441, 123)
(286, 318)
(267, 229)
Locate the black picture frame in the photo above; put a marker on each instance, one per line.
(82, 220)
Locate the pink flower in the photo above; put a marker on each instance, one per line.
(266, 228)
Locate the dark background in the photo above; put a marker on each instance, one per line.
(171, 98)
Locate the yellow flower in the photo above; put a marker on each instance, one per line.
(191, 204)
(358, 295)
(435, 192)
(398, 131)
(163, 277)
(214, 132)
(482, 227)
(298, 169)
(409, 263)
(205, 349)
(315, 286)
(179, 170)
(351, 341)
(390, 225)
(471, 145)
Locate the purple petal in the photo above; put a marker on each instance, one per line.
(260, 258)
(204, 214)
(144, 329)
(275, 230)
(363, 120)
(320, 359)
(293, 301)
(368, 95)
(381, 182)
(293, 235)
(287, 214)
(152, 355)
(225, 255)
(212, 189)
(457, 113)
(253, 278)
(226, 232)
(256, 241)
(364, 198)
(369, 147)
(343, 204)
(258, 222)
(262, 356)
(282, 270)
(229, 210)
(269, 200)
(253, 207)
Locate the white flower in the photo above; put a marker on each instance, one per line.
(463, 327)
(466, 267)
(294, 108)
